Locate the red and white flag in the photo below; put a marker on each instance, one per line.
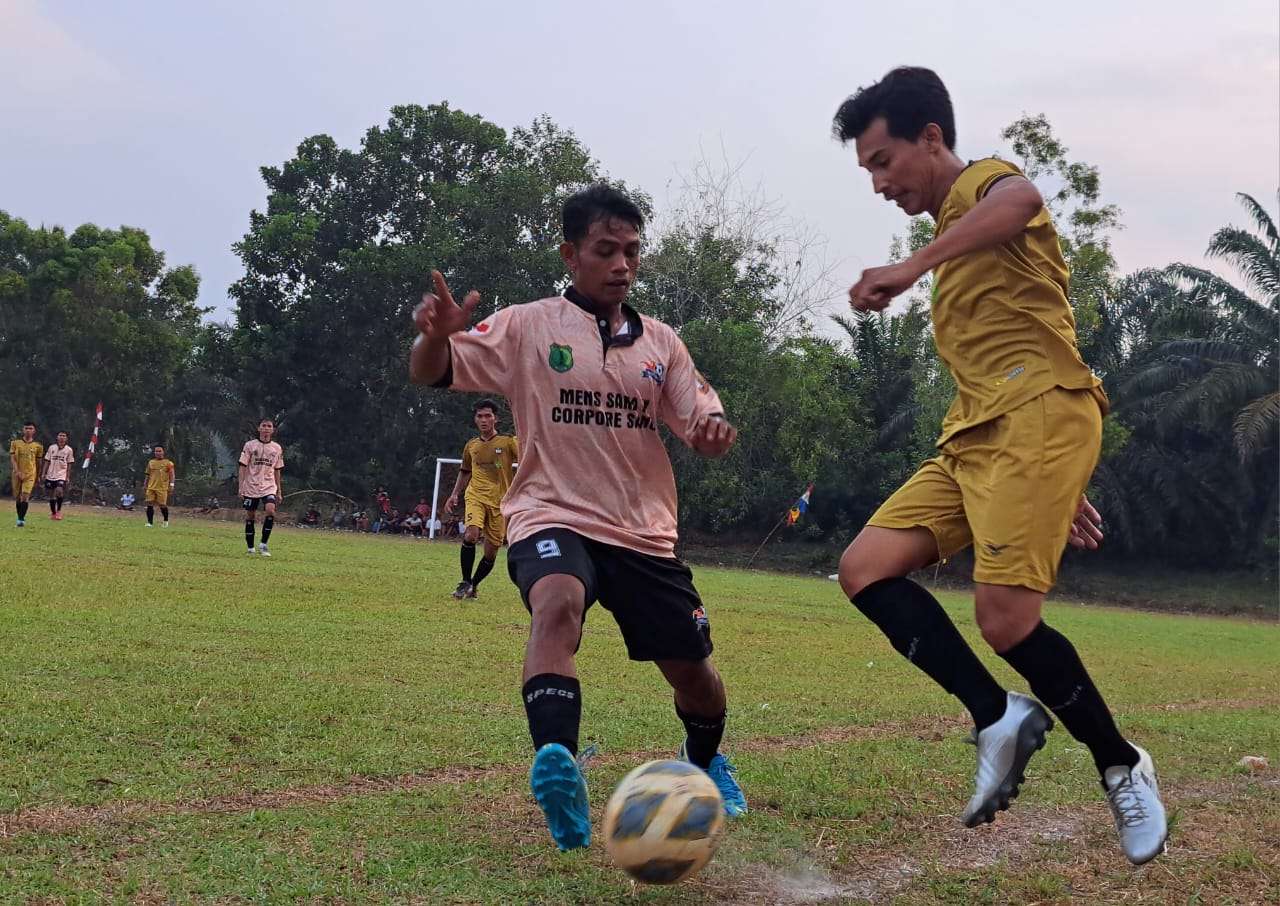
(93, 443)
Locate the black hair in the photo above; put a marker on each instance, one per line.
(28, 422)
(266, 419)
(61, 432)
(597, 202)
(485, 404)
(909, 98)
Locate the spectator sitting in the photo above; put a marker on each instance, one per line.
(413, 524)
(392, 523)
(312, 519)
(360, 521)
(423, 509)
(127, 500)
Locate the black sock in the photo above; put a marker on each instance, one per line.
(703, 737)
(248, 533)
(53, 505)
(553, 704)
(151, 515)
(267, 525)
(485, 567)
(59, 504)
(918, 627)
(22, 509)
(468, 560)
(1053, 668)
(164, 511)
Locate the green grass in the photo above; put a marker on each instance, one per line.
(181, 722)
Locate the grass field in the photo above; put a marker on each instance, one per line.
(180, 722)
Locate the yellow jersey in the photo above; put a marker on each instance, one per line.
(28, 455)
(492, 465)
(1001, 319)
(158, 472)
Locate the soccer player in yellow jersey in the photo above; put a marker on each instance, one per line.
(488, 463)
(1017, 449)
(158, 481)
(26, 465)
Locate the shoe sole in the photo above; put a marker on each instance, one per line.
(1031, 739)
(554, 780)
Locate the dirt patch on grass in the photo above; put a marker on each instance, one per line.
(57, 819)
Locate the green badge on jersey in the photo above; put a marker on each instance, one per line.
(560, 358)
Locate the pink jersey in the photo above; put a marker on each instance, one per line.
(59, 461)
(591, 458)
(262, 461)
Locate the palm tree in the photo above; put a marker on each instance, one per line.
(1226, 361)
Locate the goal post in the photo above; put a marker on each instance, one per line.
(435, 493)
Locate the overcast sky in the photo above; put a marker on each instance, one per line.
(158, 115)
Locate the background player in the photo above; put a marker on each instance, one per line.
(488, 462)
(57, 469)
(1017, 449)
(26, 463)
(158, 481)
(261, 462)
(591, 513)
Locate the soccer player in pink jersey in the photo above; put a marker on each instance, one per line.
(57, 470)
(591, 514)
(261, 462)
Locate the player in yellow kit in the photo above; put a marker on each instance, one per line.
(26, 462)
(159, 481)
(488, 463)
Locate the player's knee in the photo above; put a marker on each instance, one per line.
(1003, 628)
(857, 571)
(472, 535)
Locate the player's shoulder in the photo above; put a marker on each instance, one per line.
(980, 174)
(659, 331)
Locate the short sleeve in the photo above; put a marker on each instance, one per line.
(481, 357)
(280, 460)
(986, 173)
(48, 455)
(466, 457)
(687, 396)
(244, 454)
(13, 448)
(515, 449)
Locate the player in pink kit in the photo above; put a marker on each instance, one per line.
(261, 462)
(591, 514)
(57, 470)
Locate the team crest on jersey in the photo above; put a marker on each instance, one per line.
(560, 358)
(482, 327)
(654, 371)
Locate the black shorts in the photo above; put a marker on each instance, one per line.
(53, 485)
(251, 503)
(652, 599)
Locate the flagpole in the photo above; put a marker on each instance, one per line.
(767, 537)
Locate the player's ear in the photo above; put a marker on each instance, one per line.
(569, 254)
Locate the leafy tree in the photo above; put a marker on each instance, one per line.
(88, 317)
(337, 261)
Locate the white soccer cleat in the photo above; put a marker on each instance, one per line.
(1004, 748)
(147, 524)
(166, 523)
(262, 549)
(250, 551)
(1134, 797)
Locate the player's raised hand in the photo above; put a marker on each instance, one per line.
(713, 436)
(878, 286)
(1086, 528)
(439, 316)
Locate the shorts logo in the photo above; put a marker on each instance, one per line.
(654, 371)
(1016, 372)
(547, 549)
(560, 358)
(700, 617)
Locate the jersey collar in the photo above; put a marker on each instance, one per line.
(634, 327)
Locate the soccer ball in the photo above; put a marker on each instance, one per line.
(664, 822)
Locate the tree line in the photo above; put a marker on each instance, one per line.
(337, 258)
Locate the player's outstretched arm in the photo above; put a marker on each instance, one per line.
(1002, 214)
(437, 319)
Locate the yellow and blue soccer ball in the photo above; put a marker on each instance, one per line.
(664, 822)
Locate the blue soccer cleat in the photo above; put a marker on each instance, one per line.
(561, 793)
(725, 776)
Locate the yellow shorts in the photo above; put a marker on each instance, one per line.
(487, 518)
(1010, 487)
(26, 486)
(158, 498)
